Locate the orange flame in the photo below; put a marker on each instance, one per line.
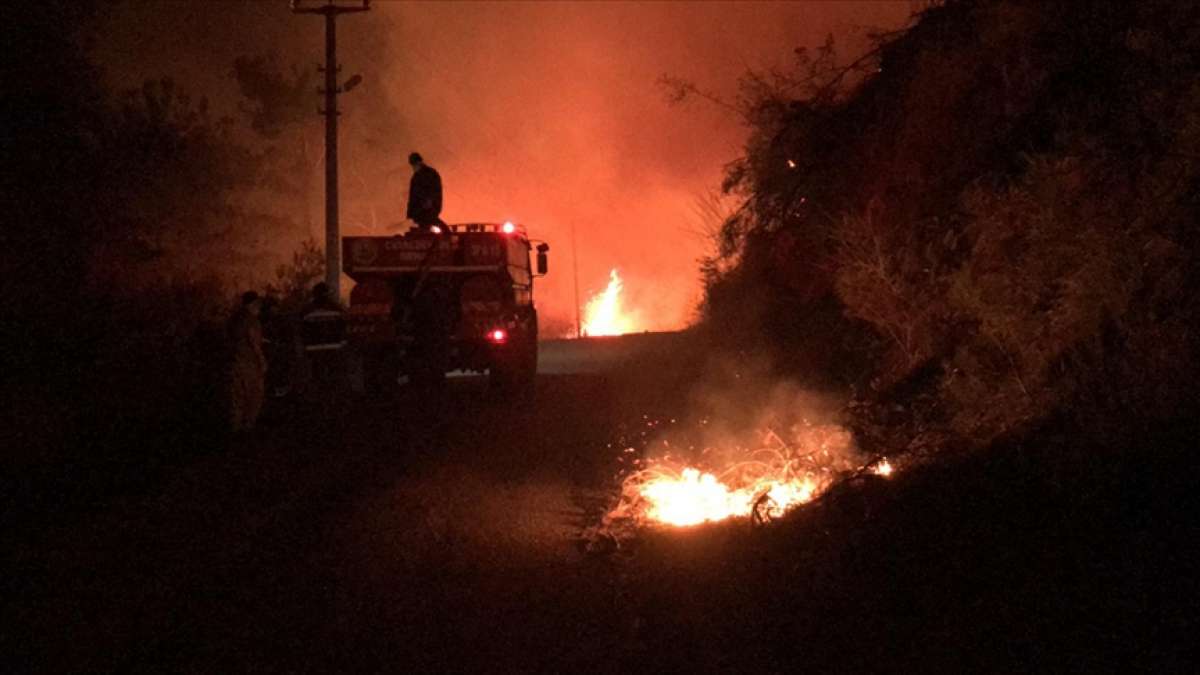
(694, 497)
(604, 314)
(766, 484)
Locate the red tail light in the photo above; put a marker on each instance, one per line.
(498, 335)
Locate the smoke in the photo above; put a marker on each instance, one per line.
(741, 397)
(750, 444)
(546, 114)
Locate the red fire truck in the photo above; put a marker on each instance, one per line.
(454, 297)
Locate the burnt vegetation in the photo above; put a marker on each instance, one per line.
(986, 229)
(989, 219)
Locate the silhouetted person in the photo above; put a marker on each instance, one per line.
(323, 328)
(324, 324)
(322, 298)
(279, 345)
(424, 194)
(248, 366)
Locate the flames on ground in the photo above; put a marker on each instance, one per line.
(762, 480)
(605, 313)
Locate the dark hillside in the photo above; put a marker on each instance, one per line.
(986, 230)
(999, 206)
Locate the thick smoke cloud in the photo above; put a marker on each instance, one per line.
(548, 114)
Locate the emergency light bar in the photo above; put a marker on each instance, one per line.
(507, 227)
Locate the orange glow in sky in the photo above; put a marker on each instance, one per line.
(550, 110)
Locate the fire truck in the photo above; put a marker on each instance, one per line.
(447, 298)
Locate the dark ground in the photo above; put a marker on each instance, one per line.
(379, 539)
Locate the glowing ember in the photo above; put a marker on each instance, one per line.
(604, 314)
(884, 468)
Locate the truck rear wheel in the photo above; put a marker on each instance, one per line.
(428, 361)
(516, 374)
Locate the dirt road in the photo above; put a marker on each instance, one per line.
(394, 534)
(443, 535)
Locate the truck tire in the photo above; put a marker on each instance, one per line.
(428, 361)
(516, 375)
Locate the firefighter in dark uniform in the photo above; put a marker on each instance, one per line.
(424, 194)
(323, 332)
(279, 346)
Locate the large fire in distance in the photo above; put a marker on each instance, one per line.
(605, 313)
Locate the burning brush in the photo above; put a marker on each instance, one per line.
(762, 482)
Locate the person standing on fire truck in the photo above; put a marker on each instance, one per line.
(424, 193)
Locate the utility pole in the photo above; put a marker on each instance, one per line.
(575, 270)
(330, 9)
